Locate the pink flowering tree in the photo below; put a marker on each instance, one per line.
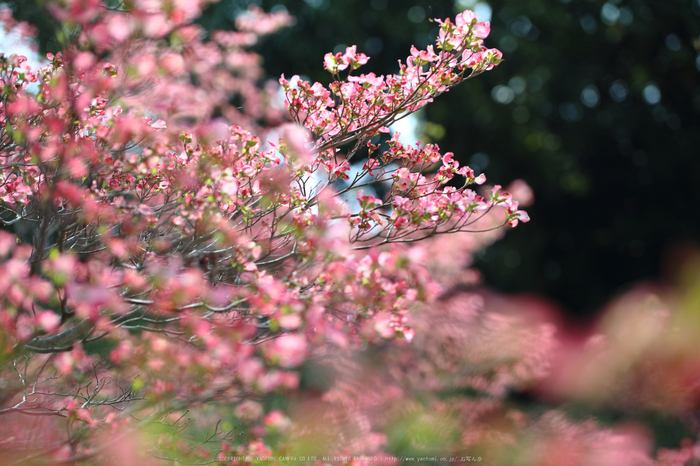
(168, 259)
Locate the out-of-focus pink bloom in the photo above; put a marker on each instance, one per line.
(48, 320)
(289, 350)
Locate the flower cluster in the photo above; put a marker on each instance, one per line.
(360, 107)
